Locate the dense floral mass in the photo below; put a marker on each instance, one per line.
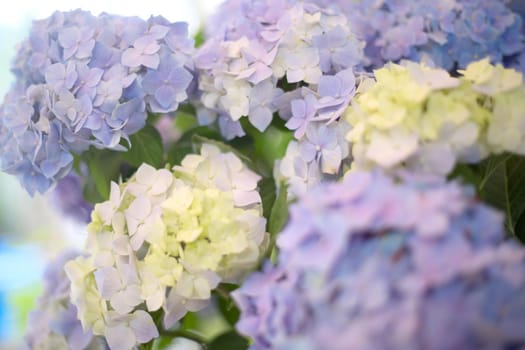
(164, 240)
(362, 113)
(449, 33)
(422, 119)
(292, 58)
(53, 324)
(87, 81)
(262, 55)
(373, 264)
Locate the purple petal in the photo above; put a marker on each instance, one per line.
(165, 95)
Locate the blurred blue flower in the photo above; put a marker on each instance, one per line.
(53, 324)
(372, 263)
(450, 34)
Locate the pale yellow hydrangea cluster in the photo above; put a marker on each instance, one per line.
(422, 119)
(165, 239)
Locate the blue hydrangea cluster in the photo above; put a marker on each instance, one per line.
(53, 324)
(450, 33)
(267, 56)
(370, 263)
(88, 81)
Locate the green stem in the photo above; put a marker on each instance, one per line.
(147, 346)
(188, 335)
(223, 292)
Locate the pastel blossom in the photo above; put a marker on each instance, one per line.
(163, 241)
(370, 263)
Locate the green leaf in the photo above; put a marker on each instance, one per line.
(190, 321)
(227, 306)
(503, 186)
(185, 146)
(467, 173)
(229, 341)
(146, 147)
(278, 218)
(279, 212)
(267, 190)
(100, 178)
(162, 343)
(185, 121)
(103, 167)
(229, 311)
(200, 37)
(271, 144)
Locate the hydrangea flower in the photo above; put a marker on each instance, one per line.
(321, 147)
(88, 81)
(449, 33)
(165, 240)
(423, 119)
(53, 324)
(374, 264)
(259, 46)
(319, 156)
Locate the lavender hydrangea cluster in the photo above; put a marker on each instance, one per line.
(289, 57)
(449, 33)
(54, 324)
(279, 55)
(317, 157)
(88, 81)
(374, 264)
(315, 117)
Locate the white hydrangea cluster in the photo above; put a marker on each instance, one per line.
(422, 119)
(166, 240)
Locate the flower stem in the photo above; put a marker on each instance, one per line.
(223, 292)
(188, 335)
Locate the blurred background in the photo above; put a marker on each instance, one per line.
(31, 230)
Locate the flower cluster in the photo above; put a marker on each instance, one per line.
(165, 240)
(372, 264)
(261, 49)
(449, 33)
(84, 80)
(288, 57)
(54, 324)
(316, 157)
(422, 119)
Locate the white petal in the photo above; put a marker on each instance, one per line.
(162, 183)
(139, 209)
(146, 174)
(108, 281)
(244, 198)
(155, 300)
(195, 305)
(120, 337)
(119, 302)
(114, 194)
(143, 326)
(121, 245)
(138, 237)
